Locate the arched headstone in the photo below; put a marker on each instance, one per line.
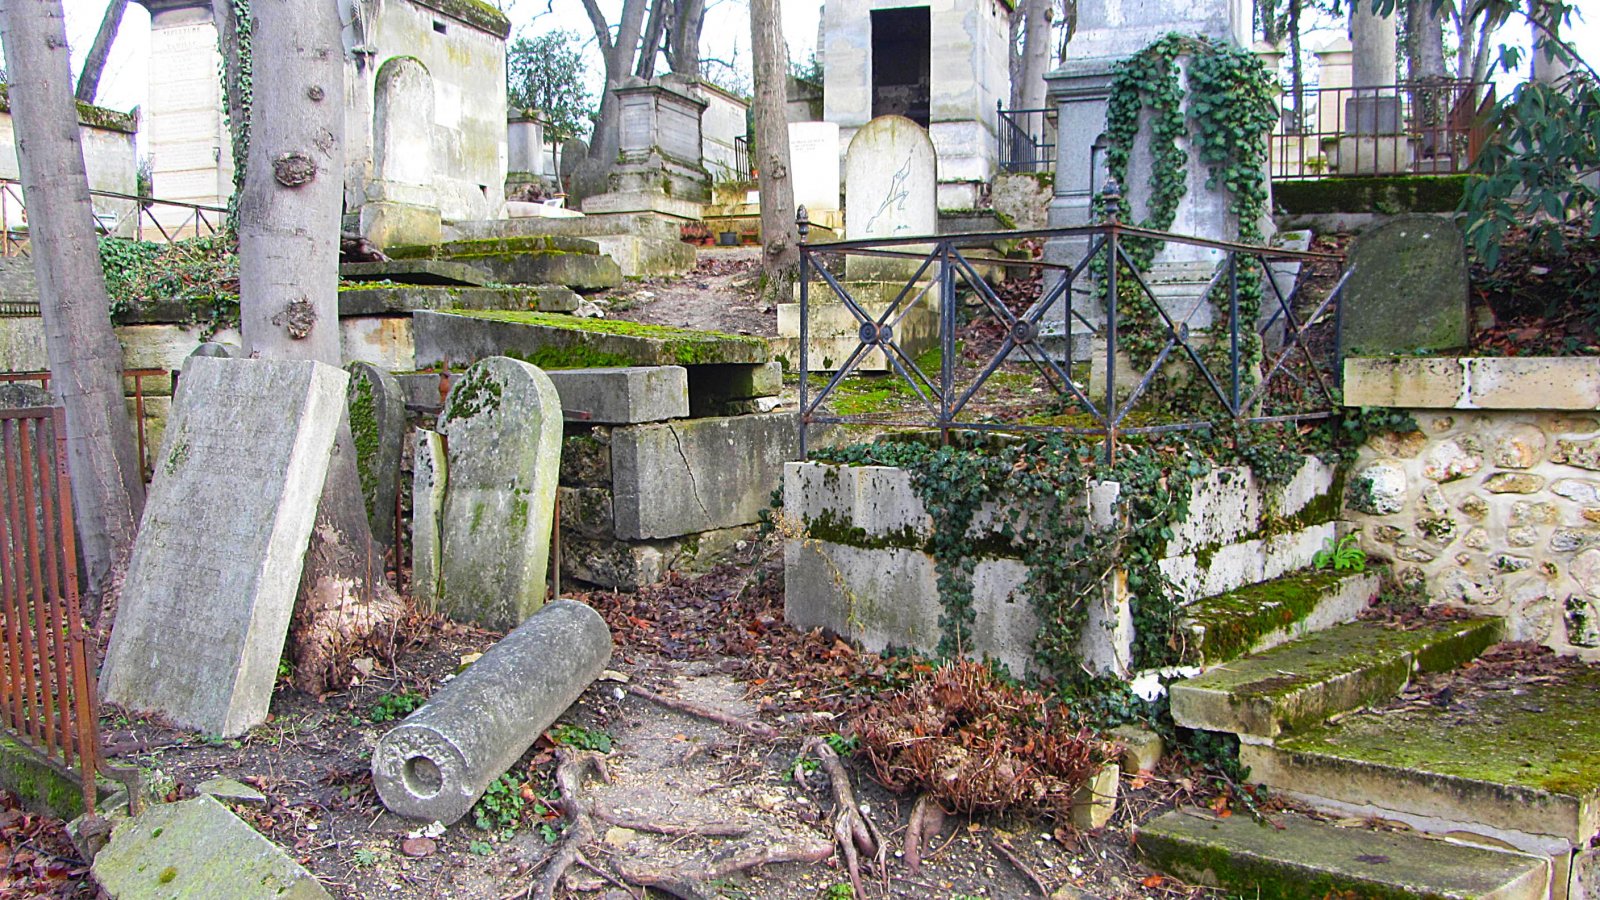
(890, 181)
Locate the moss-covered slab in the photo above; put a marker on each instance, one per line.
(393, 300)
(1300, 684)
(1301, 858)
(567, 342)
(1519, 765)
(541, 259)
(413, 271)
(540, 243)
(1266, 614)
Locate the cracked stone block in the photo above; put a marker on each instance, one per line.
(680, 478)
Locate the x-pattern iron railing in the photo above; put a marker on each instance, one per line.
(945, 265)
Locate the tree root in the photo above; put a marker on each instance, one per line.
(690, 882)
(852, 833)
(570, 769)
(927, 820)
(752, 727)
(671, 829)
(1004, 849)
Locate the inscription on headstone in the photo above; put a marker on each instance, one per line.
(890, 180)
(502, 425)
(212, 582)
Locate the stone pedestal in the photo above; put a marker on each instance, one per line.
(660, 168)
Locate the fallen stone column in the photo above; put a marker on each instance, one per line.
(437, 763)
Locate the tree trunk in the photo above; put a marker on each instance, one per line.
(1425, 41)
(1035, 52)
(683, 41)
(95, 63)
(1017, 19)
(619, 55)
(1550, 62)
(780, 256)
(651, 47)
(85, 358)
(289, 213)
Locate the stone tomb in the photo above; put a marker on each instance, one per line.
(216, 566)
(502, 427)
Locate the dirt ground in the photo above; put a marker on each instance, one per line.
(719, 295)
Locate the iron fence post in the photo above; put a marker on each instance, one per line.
(803, 223)
(1111, 342)
(947, 339)
(1233, 332)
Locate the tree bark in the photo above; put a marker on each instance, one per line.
(650, 47)
(94, 65)
(1425, 41)
(780, 254)
(619, 55)
(1015, 23)
(1035, 52)
(1550, 62)
(683, 41)
(236, 78)
(85, 358)
(289, 212)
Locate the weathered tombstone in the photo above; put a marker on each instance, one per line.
(23, 395)
(428, 482)
(889, 181)
(215, 569)
(573, 152)
(437, 763)
(502, 425)
(1407, 288)
(378, 427)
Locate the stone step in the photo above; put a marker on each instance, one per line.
(1514, 761)
(1260, 616)
(1306, 858)
(1300, 684)
(568, 342)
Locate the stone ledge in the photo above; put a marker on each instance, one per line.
(1523, 383)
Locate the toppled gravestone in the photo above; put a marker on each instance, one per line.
(377, 427)
(1407, 288)
(216, 566)
(502, 426)
(198, 848)
(437, 763)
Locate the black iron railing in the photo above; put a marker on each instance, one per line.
(943, 277)
(741, 159)
(1418, 128)
(1026, 139)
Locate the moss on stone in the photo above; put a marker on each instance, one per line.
(364, 433)
(685, 346)
(88, 114)
(476, 392)
(1235, 621)
(1390, 194)
(476, 13)
(836, 529)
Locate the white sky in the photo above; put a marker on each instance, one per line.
(726, 35)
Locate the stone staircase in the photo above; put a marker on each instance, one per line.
(1496, 795)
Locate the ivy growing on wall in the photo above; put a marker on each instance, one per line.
(1225, 116)
(241, 92)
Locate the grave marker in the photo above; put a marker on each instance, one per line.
(889, 181)
(378, 428)
(215, 569)
(502, 426)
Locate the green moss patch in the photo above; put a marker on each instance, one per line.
(1543, 735)
(572, 342)
(1389, 195)
(548, 243)
(1234, 622)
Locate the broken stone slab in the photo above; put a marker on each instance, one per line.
(1141, 747)
(231, 790)
(1302, 857)
(216, 566)
(429, 477)
(437, 763)
(414, 271)
(502, 430)
(198, 848)
(568, 342)
(1095, 801)
(697, 475)
(546, 259)
(623, 396)
(631, 565)
(378, 428)
(1265, 614)
(378, 301)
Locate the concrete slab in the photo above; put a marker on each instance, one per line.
(1302, 683)
(402, 300)
(1263, 615)
(623, 396)
(566, 342)
(1304, 858)
(413, 271)
(1519, 765)
(198, 848)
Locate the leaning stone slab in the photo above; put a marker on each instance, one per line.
(198, 848)
(681, 478)
(502, 428)
(429, 477)
(1407, 288)
(413, 271)
(437, 763)
(378, 427)
(378, 301)
(212, 582)
(566, 342)
(625, 396)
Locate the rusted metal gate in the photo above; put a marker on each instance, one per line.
(47, 684)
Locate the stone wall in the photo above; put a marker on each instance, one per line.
(856, 558)
(1493, 502)
(108, 155)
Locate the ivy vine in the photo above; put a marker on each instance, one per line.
(1229, 108)
(243, 48)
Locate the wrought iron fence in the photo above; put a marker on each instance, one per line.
(136, 378)
(1077, 321)
(1420, 128)
(117, 215)
(47, 681)
(741, 159)
(1026, 139)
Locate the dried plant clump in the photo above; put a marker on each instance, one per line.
(976, 744)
